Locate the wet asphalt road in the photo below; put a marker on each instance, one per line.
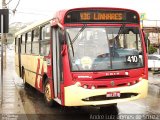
(36, 109)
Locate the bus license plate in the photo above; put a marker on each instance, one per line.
(113, 94)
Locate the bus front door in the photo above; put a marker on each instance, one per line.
(56, 72)
(19, 56)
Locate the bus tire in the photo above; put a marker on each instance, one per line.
(23, 77)
(47, 94)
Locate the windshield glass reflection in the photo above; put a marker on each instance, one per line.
(104, 48)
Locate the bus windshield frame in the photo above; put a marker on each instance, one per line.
(93, 39)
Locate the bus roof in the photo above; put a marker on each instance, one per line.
(61, 15)
(33, 25)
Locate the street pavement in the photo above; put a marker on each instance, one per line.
(154, 78)
(11, 104)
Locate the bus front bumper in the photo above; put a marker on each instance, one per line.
(79, 96)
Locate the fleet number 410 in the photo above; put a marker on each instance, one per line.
(132, 58)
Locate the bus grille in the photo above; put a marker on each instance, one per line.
(103, 97)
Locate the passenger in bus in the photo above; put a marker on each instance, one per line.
(114, 45)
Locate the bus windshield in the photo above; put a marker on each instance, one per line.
(104, 48)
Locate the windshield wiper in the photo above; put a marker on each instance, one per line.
(118, 34)
(121, 28)
(113, 39)
(71, 44)
(79, 32)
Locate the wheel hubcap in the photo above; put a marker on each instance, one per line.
(48, 92)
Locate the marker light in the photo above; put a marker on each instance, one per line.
(85, 86)
(78, 84)
(128, 84)
(126, 73)
(93, 87)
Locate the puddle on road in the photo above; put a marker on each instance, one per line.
(20, 85)
(34, 106)
(154, 90)
(152, 100)
(30, 93)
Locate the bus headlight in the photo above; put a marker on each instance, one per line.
(85, 86)
(93, 87)
(128, 84)
(78, 84)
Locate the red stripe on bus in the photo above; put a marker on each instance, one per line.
(38, 67)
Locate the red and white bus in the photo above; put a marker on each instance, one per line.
(85, 56)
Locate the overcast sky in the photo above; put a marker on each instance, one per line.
(33, 10)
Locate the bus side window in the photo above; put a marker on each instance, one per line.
(28, 43)
(23, 46)
(45, 40)
(35, 42)
(16, 45)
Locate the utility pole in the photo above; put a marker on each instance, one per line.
(3, 58)
(4, 37)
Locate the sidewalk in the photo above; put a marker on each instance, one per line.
(12, 107)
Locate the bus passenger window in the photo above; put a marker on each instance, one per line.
(46, 32)
(35, 42)
(16, 45)
(23, 47)
(28, 44)
(45, 40)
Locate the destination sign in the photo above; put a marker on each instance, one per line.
(101, 16)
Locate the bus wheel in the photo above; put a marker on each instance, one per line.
(23, 77)
(47, 94)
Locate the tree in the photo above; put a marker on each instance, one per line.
(152, 49)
